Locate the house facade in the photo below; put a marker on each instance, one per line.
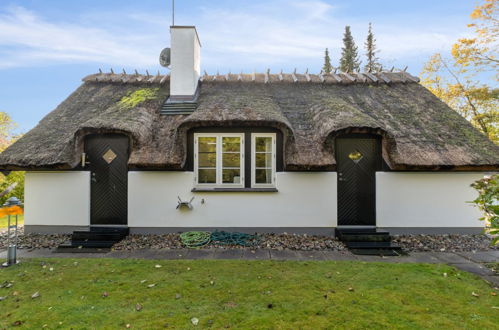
(251, 152)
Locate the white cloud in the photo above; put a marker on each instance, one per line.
(270, 34)
(28, 40)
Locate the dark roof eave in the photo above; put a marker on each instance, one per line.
(46, 167)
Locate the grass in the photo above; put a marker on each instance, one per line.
(104, 293)
(4, 221)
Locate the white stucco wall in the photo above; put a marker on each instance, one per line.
(426, 200)
(303, 200)
(57, 198)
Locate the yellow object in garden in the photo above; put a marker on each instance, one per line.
(11, 210)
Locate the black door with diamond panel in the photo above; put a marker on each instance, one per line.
(107, 160)
(357, 159)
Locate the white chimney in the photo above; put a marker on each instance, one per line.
(185, 63)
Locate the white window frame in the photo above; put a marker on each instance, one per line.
(219, 165)
(253, 160)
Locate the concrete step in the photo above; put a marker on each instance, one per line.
(69, 247)
(89, 244)
(372, 245)
(377, 252)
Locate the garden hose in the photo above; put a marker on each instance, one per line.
(234, 238)
(194, 239)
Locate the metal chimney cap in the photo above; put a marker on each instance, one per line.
(12, 201)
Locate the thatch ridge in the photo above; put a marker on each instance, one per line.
(384, 77)
(419, 131)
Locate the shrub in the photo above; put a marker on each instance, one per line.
(487, 202)
(6, 181)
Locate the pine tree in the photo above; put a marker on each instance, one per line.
(372, 61)
(327, 68)
(349, 61)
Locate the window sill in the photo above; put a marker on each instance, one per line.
(234, 190)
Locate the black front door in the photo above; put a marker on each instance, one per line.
(107, 156)
(358, 158)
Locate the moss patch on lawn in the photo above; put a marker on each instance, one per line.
(111, 293)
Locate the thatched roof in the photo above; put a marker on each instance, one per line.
(419, 131)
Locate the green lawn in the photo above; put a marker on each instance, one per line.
(4, 221)
(109, 293)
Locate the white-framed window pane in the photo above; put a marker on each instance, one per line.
(231, 144)
(263, 160)
(218, 159)
(207, 159)
(263, 176)
(207, 144)
(231, 159)
(207, 175)
(263, 144)
(231, 176)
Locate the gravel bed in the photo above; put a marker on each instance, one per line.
(438, 243)
(444, 243)
(268, 241)
(35, 241)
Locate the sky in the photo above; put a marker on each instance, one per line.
(48, 46)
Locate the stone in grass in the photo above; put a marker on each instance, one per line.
(35, 295)
(138, 307)
(195, 321)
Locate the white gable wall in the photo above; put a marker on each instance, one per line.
(57, 198)
(404, 200)
(414, 199)
(303, 200)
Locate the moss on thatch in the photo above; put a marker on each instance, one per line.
(133, 99)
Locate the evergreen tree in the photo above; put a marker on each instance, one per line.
(349, 61)
(372, 61)
(327, 68)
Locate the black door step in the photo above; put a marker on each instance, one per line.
(378, 252)
(94, 244)
(371, 237)
(357, 230)
(100, 239)
(100, 229)
(368, 241)
(96, 236)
